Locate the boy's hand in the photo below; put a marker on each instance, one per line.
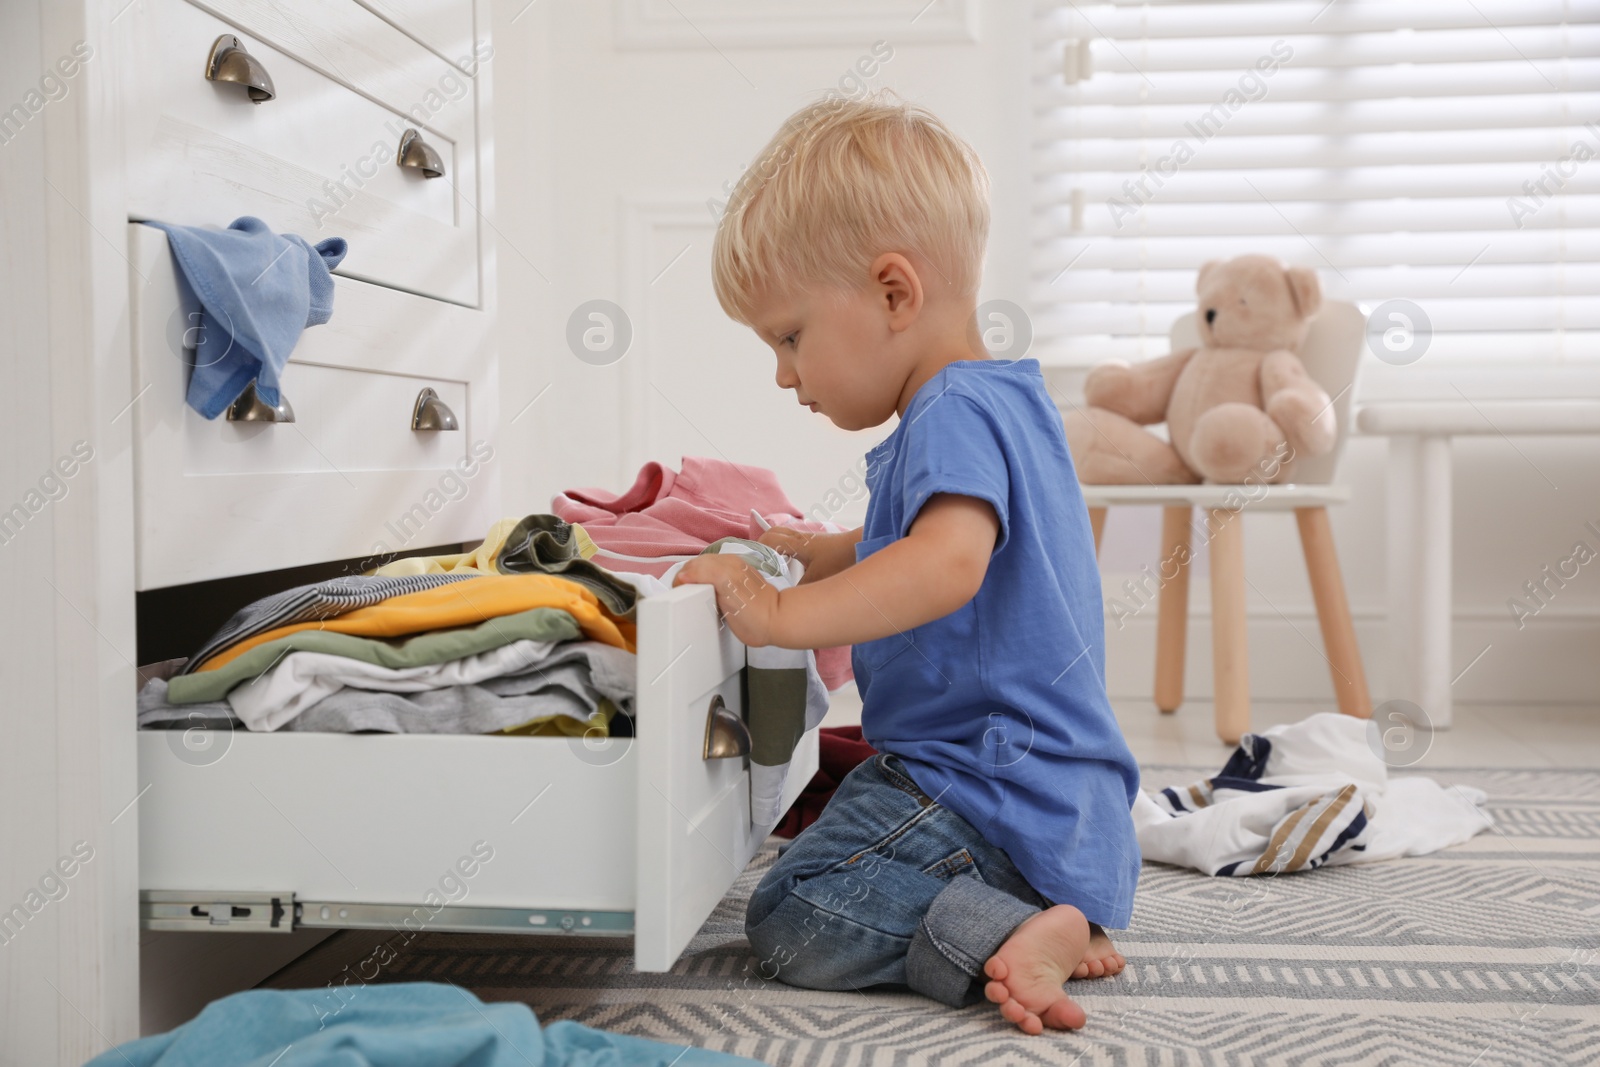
(800, 544)
(822, 554)
(746, 599)
(929, 573)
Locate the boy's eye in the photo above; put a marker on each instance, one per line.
(788, 339)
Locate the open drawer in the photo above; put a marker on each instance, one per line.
(273, 831)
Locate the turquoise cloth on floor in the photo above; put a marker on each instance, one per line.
(405, 1024)
(257, 291)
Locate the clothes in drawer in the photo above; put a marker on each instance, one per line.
(321, 157)
(349, 477)
(441, 832)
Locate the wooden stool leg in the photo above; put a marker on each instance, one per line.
(1172, 615)
(1230, 653)
(1097, 523)
(1333, 611)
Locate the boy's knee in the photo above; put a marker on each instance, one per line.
(769, 894)
(796, 944)
(771, 953)
(816, 944)
(778, 946)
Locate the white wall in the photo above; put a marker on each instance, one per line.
(586, 128)
(68, 961)
(607, 156)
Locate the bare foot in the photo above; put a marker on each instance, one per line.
(1100, 959)
(1029, 970)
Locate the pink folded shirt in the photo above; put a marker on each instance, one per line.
(671, 513)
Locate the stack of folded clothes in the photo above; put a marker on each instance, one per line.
(522, 635)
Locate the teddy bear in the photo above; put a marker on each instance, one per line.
(1241, 404)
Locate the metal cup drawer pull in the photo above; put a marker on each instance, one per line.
(418, 154)
(726, 734)
(229, 62)
(248, 407)
(431, 413)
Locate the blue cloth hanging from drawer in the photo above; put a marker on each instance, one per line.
(403, 1024)
(256, 291)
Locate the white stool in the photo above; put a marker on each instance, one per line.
(1419, 433)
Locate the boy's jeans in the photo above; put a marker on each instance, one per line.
(887, 887)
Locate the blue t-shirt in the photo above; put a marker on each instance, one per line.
(999, 709)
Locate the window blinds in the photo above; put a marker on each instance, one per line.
(1438, 152)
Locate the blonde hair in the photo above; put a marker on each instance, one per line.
(843, 181)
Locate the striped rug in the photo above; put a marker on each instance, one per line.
(1485, 955)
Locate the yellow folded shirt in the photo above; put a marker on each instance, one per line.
(480, 559)
(586, 547)
(596, 728)
(465, 603)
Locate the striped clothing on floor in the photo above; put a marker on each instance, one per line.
(1301, 796)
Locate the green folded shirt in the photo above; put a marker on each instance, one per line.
(421, 650)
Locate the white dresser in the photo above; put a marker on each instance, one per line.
(414, 296)
(301, 125)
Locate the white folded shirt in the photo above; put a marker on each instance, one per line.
(302, 678)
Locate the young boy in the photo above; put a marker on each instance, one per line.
(984, 848)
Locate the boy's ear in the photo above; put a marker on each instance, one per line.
(897, 289)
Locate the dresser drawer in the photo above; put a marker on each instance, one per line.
(319, 158)
(349, 477)
(643, 835)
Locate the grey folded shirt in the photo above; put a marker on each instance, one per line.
(566, 682)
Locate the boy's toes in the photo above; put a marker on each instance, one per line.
(997, 992)
(1022, 1018)
(1100, 959)
(996, 968)
(1064, 1014)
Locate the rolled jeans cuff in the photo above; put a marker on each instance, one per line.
(961, 929)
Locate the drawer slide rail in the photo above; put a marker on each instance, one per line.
(281, 913)
(267, 913)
